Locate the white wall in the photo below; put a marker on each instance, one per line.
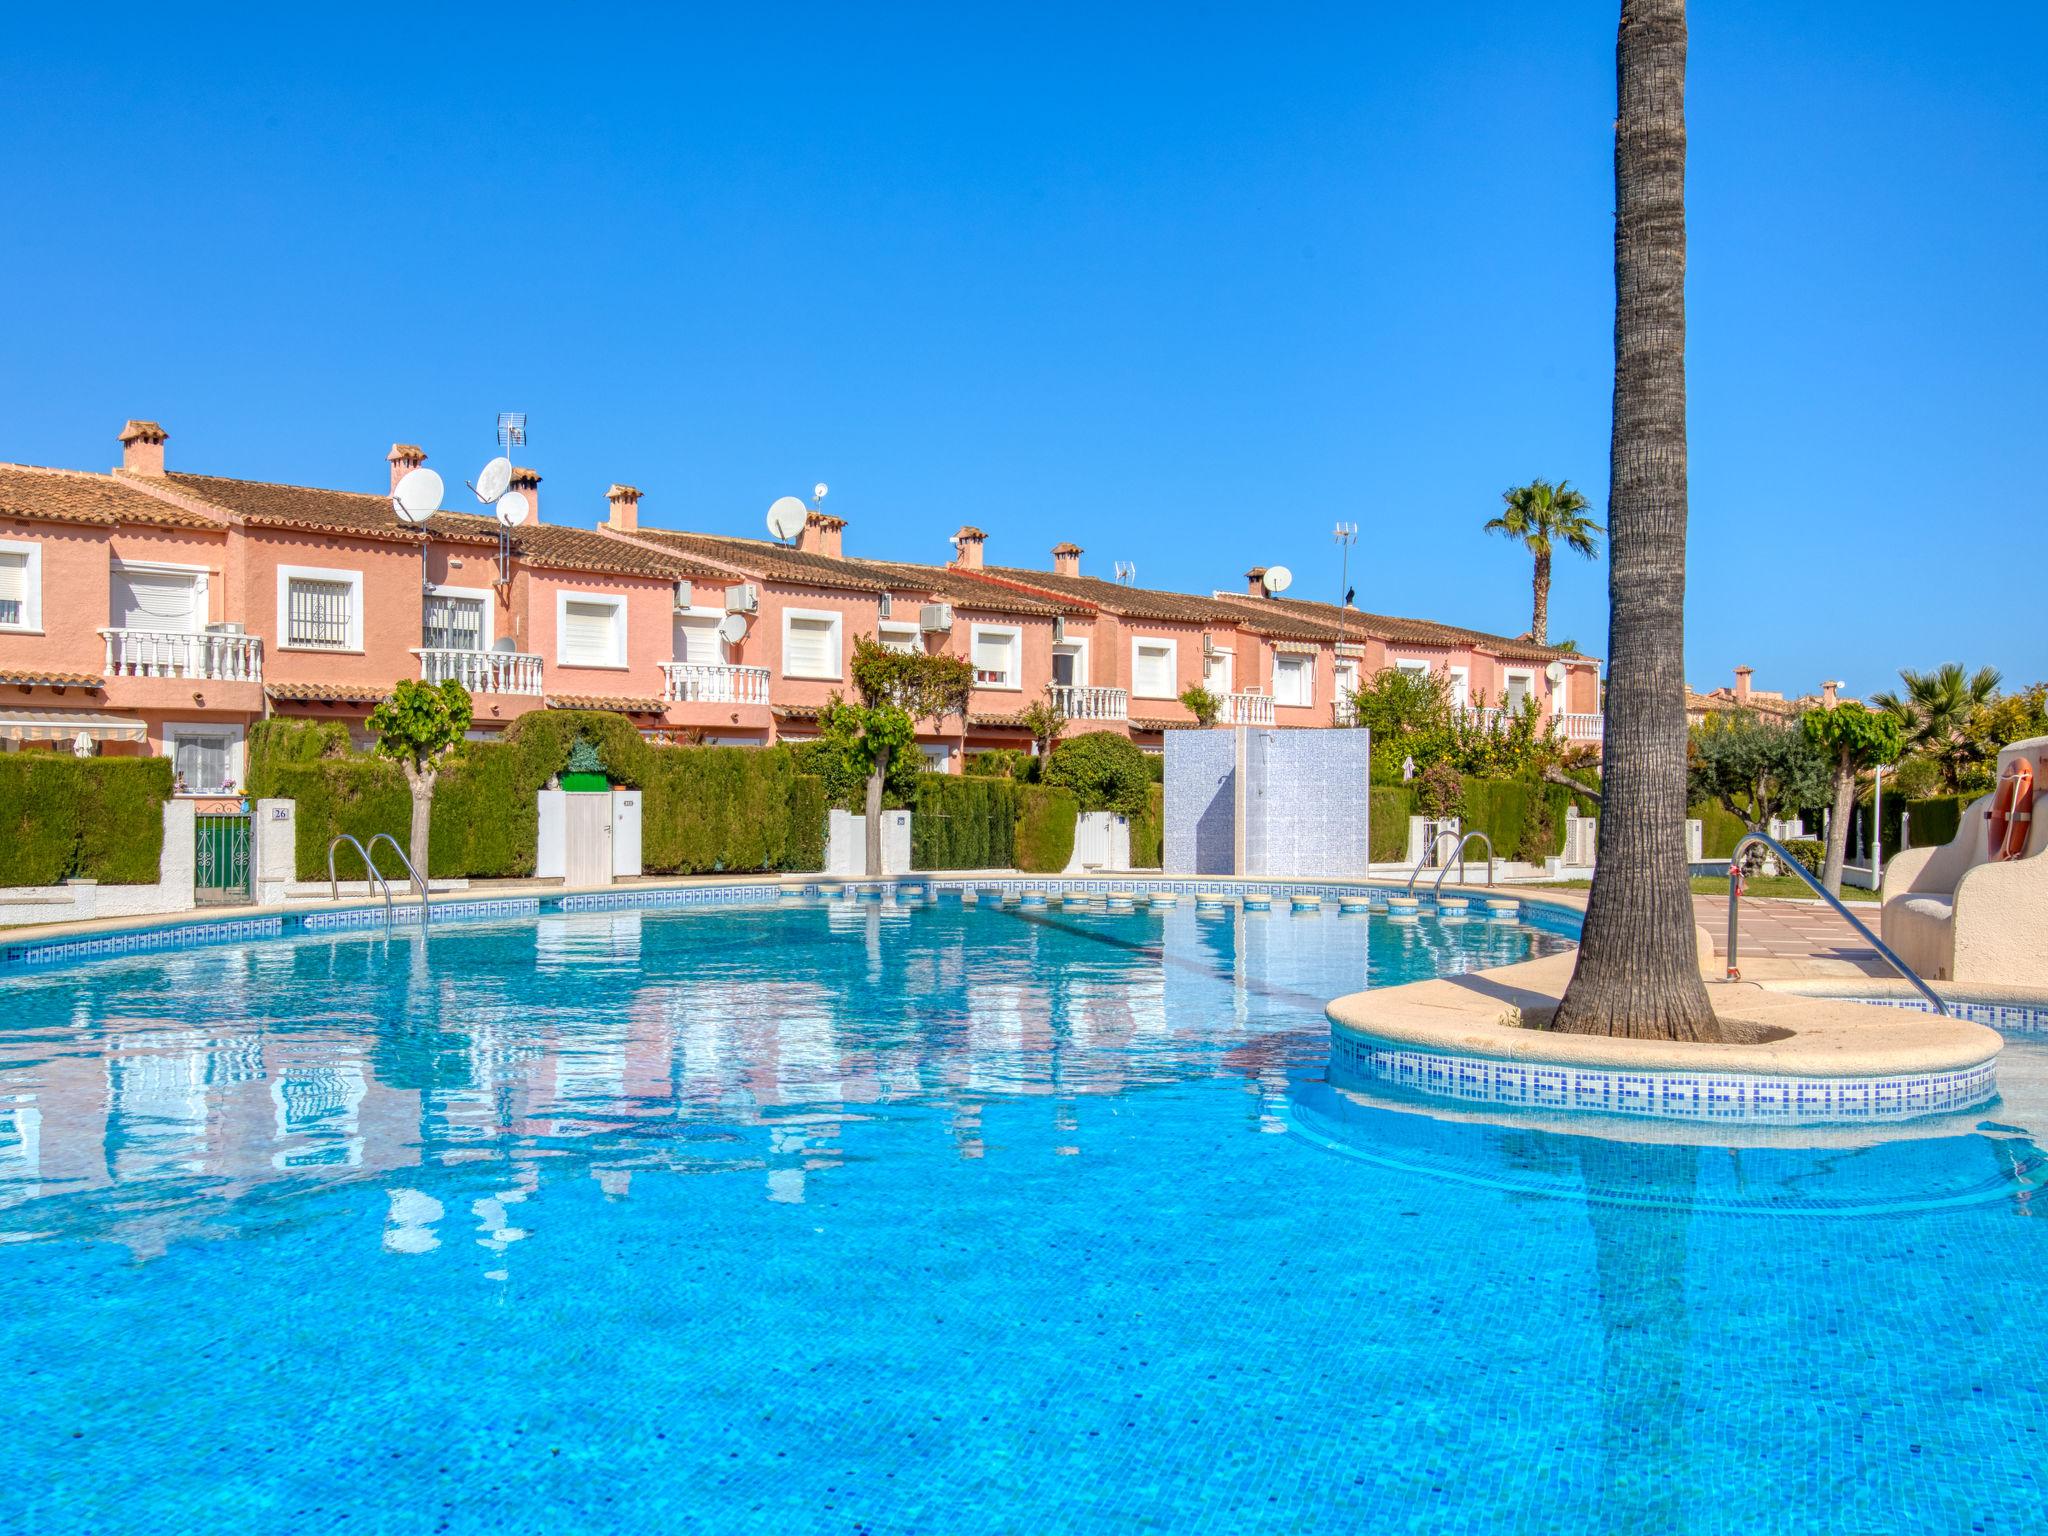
(846, 845)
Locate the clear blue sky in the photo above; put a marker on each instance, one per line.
(1185, 284)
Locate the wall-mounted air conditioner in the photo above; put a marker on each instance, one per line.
(1208, 645)
(935, 618)
(685, 597)
(744, 598)
(1059, 629)
(888, 605)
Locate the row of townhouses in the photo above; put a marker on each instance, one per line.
(145, 610)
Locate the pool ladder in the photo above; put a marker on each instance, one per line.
(1786, 858)
(377, 875)
(1459, 853)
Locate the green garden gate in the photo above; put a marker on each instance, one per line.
(220, 867)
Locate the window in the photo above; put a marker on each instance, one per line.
(1294, 680)
(21, 585)
(996, 663)
(1070, 665)
(697, 637)
(163, 598)
(1520, 686)
(900, 637)
(810, 644)
(1153, 668)
(1412, 668)
(320, 610)
(207, 760)
(1347, 677)
(1461, 687)
(1216, 671)
(590, 630)
(456, 619)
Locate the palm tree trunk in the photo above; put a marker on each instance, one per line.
(1539, 623)
(1638, 971)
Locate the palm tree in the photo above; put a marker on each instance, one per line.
(1638, 970)
(1936, 707)
(1542, 516)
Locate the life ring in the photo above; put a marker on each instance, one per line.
(2012, 811)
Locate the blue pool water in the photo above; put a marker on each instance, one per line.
(857, 1219)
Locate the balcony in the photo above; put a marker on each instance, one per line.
(1246, 709)
(1344, 712)
(701, 682)
(1583, 728)
(1090, 703)
(482, 671)
(198, 655)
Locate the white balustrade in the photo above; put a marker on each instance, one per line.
(481, 671)
(1091, 703)
(201, 655)
(1246, 709)
(702, 682)
(1583, 727)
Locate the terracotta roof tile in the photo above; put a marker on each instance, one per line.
(617, 703)
(1329, 618)
(26, 677)
(996, 720)
(73, 496)
(327, 693)
(777, 562)
(1110, 596)
(1141, 723)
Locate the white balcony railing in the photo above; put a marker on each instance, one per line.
(1246, 709)
(703, 682)
(1090, 703)
(481, 671)
(200, 655)
(1344, 712)
(1583, 727)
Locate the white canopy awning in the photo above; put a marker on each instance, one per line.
(66, 724)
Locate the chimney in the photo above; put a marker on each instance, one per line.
(821, 535)
(1742, 677)
(625, 509)
(1830, 694)
(1255, 581)
(405, 458)
(142, 448)
(528, 482)
(967, 547)
(1066, 559)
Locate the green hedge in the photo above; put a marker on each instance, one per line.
(1930, 822)
(1392, 805)
(1720, 829)
(964, 822)
(90, 818)
(1046, 820)
(1148, 831)
(704, 809)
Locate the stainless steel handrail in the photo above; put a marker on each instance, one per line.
(376, 877)
(1461, 861)
(1786, 858)
(426, 901)
(1430, 853)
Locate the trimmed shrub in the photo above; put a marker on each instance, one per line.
(1148, 831)
(1392, 805)
(808, 814)
(93, 818)
(964, 822)
(1003, 763)
(1720, 829)
(1104, 772)
(1809, 851)
(1046, 820)
(846, 790)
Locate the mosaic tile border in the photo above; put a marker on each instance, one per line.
(2025, 1018)
(186, 935)
(1733, 1097)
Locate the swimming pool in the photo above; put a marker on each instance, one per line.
(846, 1217)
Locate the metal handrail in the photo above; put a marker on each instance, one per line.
(1430, 852)
(1433, 890)
(426, 901)
(1786, 858)
(376, 877)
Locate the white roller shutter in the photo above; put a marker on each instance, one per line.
(1152, 670)
(587, 633)
(697, 639)
(159, 600)
(994, 657)
(13, 587)
(811, 648)
(1290, 680)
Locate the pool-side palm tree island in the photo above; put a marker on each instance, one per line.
(713, 989)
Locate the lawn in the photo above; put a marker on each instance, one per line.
(1717, 885)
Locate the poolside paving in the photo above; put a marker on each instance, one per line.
(1804, 933)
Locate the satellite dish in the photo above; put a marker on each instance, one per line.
(513, 509)
(786, 517)
(495, 480)
(1555, 672)
(819, 490)
(1277, 580)
(732, 629)
(416, 497)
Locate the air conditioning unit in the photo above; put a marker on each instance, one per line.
(1208, 645)
(744, 598)
(1059, 629)
(935, 618)
(888, 605)
(685, 597)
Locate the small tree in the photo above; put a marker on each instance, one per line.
(417, 727)
(1854, 738)
(897, 689)
(1105, 771)
(1756, 770)
(1046, 722)
(1202, 704)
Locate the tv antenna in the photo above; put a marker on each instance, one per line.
(1126, 572)
(1346, 535)
(511, 429)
